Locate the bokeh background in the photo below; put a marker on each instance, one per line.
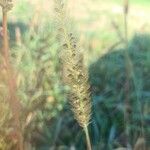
(46, 116)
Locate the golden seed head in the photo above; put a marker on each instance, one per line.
(76, 77)
(6, 5)
(74, 73)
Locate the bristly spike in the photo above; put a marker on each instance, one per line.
(74, 73)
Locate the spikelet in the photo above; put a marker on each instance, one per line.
(6, 5)
(74, 73)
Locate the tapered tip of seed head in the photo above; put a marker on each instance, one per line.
(59, 6)
(126, 6)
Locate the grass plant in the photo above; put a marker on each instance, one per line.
(13, 100)
(74, 73)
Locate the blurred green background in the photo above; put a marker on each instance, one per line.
(99, 26)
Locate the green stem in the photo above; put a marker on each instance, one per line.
(130, 74)
(89, 147)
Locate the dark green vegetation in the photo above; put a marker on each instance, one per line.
(46, 116)
(107, 76)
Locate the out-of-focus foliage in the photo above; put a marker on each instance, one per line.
(34, 56)
(107, 76)
(4, 117)
(23, 11)
(38, 78)
(5, 114)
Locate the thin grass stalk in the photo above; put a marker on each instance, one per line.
(89, 147)
(127, 82)
(13, 100)
(129, 75)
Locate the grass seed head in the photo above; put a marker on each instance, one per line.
(74, 73)
(6, 5)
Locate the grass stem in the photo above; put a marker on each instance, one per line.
(13, 100)
(89, 147)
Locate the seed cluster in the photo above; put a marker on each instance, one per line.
(74, 73)
(6, 5)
